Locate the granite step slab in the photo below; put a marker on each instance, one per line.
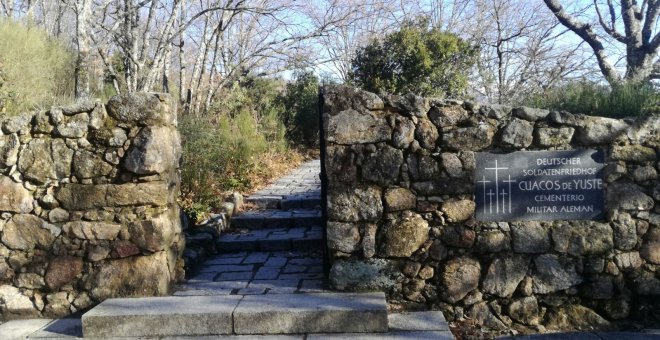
(272, 218)
(301, 202)
(285, 201)
(227, 314)
(275, 239)
(161, 316)
(311, 313)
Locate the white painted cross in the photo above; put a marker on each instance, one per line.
(490, 195)
(504, 194)
(484, 181)
(509, 181)
(497, 198)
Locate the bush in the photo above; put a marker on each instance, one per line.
(228, 148)
(35, 71)
(623, 100)
(301, 115)
(416, 59)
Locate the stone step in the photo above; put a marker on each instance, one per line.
(301, 202)
(286, 202)
(272, 218)
(311, 313)
(275, 239)
(161, 316)
(235, 314)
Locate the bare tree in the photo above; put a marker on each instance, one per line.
(83, 12)
(641, 43)
(521, 48)
(362, 21)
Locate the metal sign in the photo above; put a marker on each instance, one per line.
(540, 185)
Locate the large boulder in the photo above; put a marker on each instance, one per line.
(599, 130)
(628, 196)
(423, 167)
(135, 276)
(357, 127)
(525, 310)
(42, 160)
(343, 237)
(625, 232)
(62, 270)
(547, 136)
(459, 210)
(383, 166)
(518, 133)
(402, 237)
(9, 146)
(575, 317)
(469, 138)
(363, 275)
(397, 199)
(155, 234)
(447, 116)
(153, 109)
(530, 114)
(554, 274)
(15, 304)
(633, 153)
(87, 164)
(74, 196)
(584, 239)
(155, 150)
(404, 133)
(85, 230)
(426, 133)
(530, 238)
(74, 126)
(337, 98)
(504, 275)
(14, 197)
(25, 232)
(354, 204)
(651, 247)
(460, 276)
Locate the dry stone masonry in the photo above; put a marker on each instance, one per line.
(401, 213)
(88, 205)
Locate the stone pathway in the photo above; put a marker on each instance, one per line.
(272, 250)
(259, 272)
(301, 188)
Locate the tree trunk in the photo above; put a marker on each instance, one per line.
(182, 55)
(83, 14)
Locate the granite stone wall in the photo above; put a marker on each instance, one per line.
(400, 203)
(88, 205)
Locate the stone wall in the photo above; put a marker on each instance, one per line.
(88, 205)
(400, 203)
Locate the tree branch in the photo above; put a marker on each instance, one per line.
(587, 34)
(652, 14)
(611, 30)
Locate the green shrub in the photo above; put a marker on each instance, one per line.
(415, 59)
(624, 100)
(301, 115)
(225, 149)
(35, 71)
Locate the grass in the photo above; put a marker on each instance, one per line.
(626, 100)
(35, 71)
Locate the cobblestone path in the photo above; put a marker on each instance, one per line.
(272, 250)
